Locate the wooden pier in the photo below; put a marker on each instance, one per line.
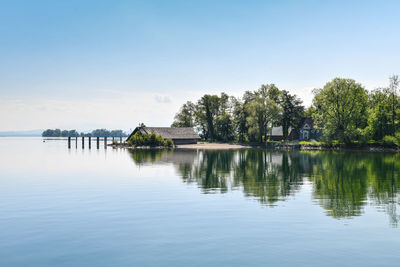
(89, 141)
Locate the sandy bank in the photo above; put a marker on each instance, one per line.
(202, 145)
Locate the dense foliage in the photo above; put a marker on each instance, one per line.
(74, 133)
(149, 140)
(343, 109)
(250, 118)
(350, 114)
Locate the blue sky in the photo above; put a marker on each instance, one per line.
(88, 64)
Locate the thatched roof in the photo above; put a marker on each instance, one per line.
(169, 132)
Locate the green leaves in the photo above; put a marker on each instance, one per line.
(151, 140)
(341, 108)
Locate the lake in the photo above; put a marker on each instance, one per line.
(248, 207)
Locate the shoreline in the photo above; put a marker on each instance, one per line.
(283, 147)
(219, 146)
(200, 145)
(349, 148)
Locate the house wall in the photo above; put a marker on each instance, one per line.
(313, 134)
(184, 141)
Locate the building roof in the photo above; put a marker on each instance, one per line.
(169, 132)
(308, 121)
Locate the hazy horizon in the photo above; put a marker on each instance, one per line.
(102, 64)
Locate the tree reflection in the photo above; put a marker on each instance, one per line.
(269, 177)
(342, 182)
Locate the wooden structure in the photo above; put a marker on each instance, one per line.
(179, 135)
(90, 141)
(276, 134)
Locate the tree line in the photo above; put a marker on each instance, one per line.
(245, 119)
(74, 133)
(343, 109)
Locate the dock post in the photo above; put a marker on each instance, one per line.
(90, 142)
(76, 141)
(69, 142)
(120, 139)
(83, 142)
(113, 139)
(105, 142)
(98, 142)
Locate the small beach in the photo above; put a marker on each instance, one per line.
(203, 145)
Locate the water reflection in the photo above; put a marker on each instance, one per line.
(343, 182)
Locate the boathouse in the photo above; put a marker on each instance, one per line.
(179, 135)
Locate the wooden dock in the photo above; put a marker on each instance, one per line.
(89, 141)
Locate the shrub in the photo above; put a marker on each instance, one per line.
(169, 143)
(389, 141)
(312, 142)
(149, 140)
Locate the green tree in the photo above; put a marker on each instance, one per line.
(379, 114)
(310, 112)
(262, 112)
(224, 127)
(207, 109)
(292, 112)
(393, 86)
(184, 118)
(240, 118)
(341, 108)
(291, 105)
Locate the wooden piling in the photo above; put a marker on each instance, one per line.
(90, 142)
(105, 142)
(76, 141)
(98, 142)
(120, 139)
(83, 142)
(69, 142)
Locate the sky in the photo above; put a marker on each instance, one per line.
(75, 64)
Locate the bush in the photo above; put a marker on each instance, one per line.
(397, 136)
(169, 143)
(312, 142)
(389, 141)
(149, 140)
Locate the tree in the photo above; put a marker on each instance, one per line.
(379, 114)
(224, 127)
(262, 111)
(240, 118)
(310, 112)
(206, 110)
(184, 118)
(341, 108)
(292, 112)
(292, 108)
(270, 91)
(394, 84)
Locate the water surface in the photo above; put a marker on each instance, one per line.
(250, 207)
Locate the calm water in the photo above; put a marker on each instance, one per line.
(61, 207)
